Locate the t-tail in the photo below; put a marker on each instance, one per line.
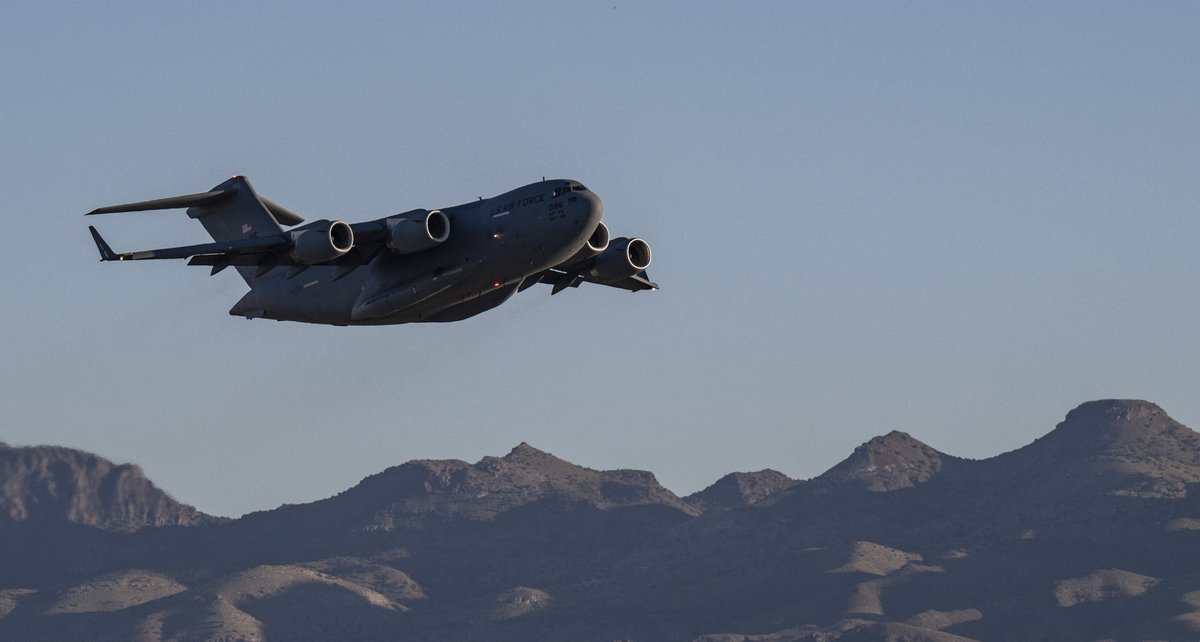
(230, 212)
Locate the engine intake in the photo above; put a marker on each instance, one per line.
(418, 231)
(321, 241)
(624, 257)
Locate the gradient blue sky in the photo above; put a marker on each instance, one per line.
(959, 220)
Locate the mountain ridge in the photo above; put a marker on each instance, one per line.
(1086, 533)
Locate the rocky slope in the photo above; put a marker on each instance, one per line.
(50, 484)
(1117, 447)
(433, 495)
(737, 490)
(890, 462)
(1088, 533)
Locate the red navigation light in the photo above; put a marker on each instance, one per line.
(497, 284)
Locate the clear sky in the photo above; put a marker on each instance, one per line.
(956, 219)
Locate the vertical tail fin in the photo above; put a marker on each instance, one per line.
(240, 215)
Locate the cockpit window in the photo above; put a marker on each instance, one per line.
(566, 189)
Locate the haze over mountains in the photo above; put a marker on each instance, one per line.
(1089, 533)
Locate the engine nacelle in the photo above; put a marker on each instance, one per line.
(624, 258)
(419, 231)
(596, 243)
(321, 241)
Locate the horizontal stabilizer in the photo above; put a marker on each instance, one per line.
(170, 203)
(282, 215)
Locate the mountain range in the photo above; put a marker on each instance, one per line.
(1089, 533)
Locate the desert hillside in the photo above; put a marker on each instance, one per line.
(1088, 533)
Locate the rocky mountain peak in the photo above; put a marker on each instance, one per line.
(1119, 408)
(51, 484)
(887, 462)
(525, 455)
(523, 450)
(893, 439)
(741, 489)
(1130, 446)
(1109, 421)
(1117, 428)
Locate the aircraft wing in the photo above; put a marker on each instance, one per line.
(635, 283)
(265, 253)
(241, 246)
(602, 267)
(562, 280)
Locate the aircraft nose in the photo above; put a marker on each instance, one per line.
(592, 208)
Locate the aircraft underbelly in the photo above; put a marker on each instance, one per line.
(474, 306)
(312, 297)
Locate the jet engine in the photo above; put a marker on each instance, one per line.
(418, 231)
(624, 257)
(321, 241)
(596, 243)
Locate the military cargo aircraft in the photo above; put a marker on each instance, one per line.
(422, 265)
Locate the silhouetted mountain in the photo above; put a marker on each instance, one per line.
(740, 489)
(421, 493)
(1121, 447)
(889, 462)
(50, 484)
(1088, 533)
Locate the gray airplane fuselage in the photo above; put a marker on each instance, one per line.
(494, 245)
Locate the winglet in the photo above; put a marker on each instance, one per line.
(106, 253)
(643, 278)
